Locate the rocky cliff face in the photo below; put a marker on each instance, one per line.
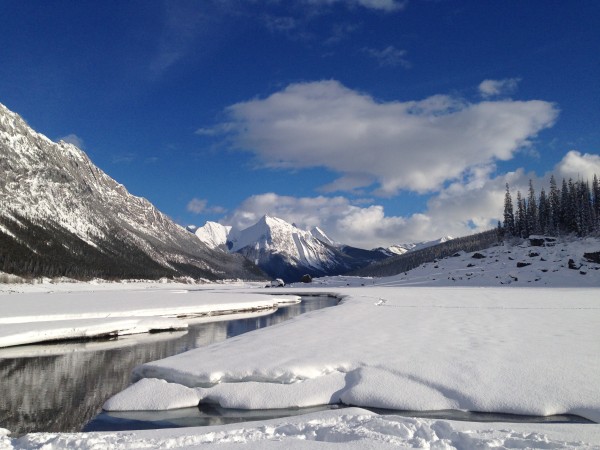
(62, 215)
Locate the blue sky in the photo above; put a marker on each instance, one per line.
(382, 121)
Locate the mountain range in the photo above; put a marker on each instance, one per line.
(282, 250)
(60, 215)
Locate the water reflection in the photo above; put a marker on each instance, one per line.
(205, 415)
(60, 387)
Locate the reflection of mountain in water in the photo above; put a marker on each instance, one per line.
(63, 392)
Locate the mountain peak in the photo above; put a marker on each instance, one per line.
(85, 223)
(213, 234)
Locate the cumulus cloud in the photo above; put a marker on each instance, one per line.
(492, 88)
(457, 212)
(389, 57)
(200, 205)
(578, 166)
(472, 204)
(413, 145)
(73, 139)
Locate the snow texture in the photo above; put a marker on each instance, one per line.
(352, 428)
(151, 394)
(519, 351)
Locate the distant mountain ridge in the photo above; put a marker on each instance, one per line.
(285, 251)
(400, 249)
(411, 259)
(60, 215)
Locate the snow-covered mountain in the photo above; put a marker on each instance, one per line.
(285, 251)
(62, 215)
(214, 235)
(400, 249)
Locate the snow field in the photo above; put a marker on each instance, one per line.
(520, 351)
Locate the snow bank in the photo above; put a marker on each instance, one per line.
(520, 351)
(31, 317)
(23, 333)
(153, 395)
(351, 428)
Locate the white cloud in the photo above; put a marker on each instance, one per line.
(197, 205)
(389, 57)
(200, 205)
(73, 139)
(472, 204)
(492, 88)
(579, 166)
(414, 145)
(458, 214)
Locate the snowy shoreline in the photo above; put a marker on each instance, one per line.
(70, 311)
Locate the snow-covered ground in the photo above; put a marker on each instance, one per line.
(410, 342)
(352, 428)
(520, 264)
(33, 313)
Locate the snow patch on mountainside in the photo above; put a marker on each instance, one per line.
(321, 236)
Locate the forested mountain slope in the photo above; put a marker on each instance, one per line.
(410, 260)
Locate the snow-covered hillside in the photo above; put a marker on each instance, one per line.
(556, 262)
(62, 215)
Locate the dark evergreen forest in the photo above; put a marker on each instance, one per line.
(574, 208)
(41, 249)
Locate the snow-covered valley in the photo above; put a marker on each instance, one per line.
(417, 341)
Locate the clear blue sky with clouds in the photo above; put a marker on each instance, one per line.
(382, 121)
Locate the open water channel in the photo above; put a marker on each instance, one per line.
(62, 386)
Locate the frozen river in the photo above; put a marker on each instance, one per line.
(61, 386)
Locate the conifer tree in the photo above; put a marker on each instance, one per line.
(532, 212)
(554, 211)
(521, 217)
(509, 215)
(596, 202)
(544, 213)
(575, 208)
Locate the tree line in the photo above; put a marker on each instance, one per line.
(574, 208)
